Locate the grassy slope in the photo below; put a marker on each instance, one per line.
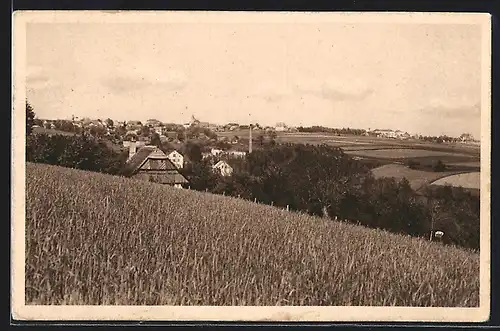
(98, 239)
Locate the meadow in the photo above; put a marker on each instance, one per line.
(98, 239)
(353, 143)
(381, 149)
(398, 153)
(417, 178)
(465, 180)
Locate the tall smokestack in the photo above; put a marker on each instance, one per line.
(132, 149)
(250, 140)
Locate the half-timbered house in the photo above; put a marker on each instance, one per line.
(149, 163)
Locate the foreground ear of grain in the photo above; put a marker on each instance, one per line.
(95, 239)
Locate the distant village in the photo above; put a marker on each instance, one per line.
(155, 148)
(174, 132)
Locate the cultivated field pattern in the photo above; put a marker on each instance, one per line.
(394, 153)
(99, 239)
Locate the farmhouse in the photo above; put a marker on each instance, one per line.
(223, 168)
(149, 163)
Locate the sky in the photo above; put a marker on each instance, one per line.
(420, 78)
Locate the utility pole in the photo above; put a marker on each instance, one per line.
(434, 214)
(250, 140)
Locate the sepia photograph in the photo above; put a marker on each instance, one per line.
(268, 166)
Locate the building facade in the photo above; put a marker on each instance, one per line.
(176, 158)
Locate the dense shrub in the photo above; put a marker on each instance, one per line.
(413, 164)
(438, 166)
(79, 152)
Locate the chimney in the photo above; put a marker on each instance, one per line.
(132, 148)
(250, 140)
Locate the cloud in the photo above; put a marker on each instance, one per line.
(37, 79)
(354, 93)
(273, 97)
(120, 82)
(453, 112)
(337, 95)
(330, 92)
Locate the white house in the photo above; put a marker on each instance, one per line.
(386, 133)
(177, 159)
(223, 168)
(237, 154)
(216, 152)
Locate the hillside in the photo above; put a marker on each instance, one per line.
(98, 239)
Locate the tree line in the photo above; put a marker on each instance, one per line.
(342, 131)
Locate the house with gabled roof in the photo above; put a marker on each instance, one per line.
(149, 163)
(223, 168)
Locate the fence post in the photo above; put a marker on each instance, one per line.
(272, 203)
(255, 200)
(206, 190)
(287, 208)
(224, 193)
(238, 196)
